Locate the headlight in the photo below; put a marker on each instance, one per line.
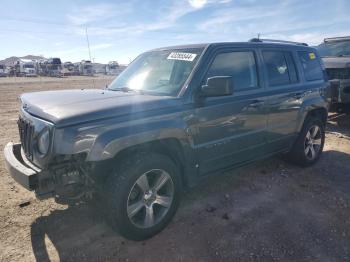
(44, 142)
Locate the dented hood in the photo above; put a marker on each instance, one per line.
(69, 107)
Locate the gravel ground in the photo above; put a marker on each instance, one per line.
(269, 211)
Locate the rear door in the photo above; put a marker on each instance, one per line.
(285, 97)
(230, 130)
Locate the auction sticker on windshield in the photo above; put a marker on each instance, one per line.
(182, 56)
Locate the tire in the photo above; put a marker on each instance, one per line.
(307, 150)
(132, 202)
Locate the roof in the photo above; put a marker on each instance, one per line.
(238, 44)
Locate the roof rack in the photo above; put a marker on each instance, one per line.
(257, 40)
(337, 39)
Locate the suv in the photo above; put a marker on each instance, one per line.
(335, 53)
(173, 117)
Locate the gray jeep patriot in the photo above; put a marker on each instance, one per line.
(335, 53)
(174, 116)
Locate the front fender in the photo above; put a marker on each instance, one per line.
(104, 140)
(110, 143)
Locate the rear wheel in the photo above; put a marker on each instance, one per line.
(143, 195)
(309, 144)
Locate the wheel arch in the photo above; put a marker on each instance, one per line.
(170, 147)
(316, 112)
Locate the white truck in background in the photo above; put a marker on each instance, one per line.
(25, 67)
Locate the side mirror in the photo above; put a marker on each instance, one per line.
(217, 86)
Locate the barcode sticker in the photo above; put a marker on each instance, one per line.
(182, 56)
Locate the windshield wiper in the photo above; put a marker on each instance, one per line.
(126, 89)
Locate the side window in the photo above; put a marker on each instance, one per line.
(240, 65)
(280, 68)
(311, 66)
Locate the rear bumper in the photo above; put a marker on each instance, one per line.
(21, 171)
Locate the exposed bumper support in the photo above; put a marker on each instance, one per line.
(18, 168)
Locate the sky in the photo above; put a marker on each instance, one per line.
(120, 30)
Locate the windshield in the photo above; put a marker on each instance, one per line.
(28, 66)
(334, 49)
(158, 72)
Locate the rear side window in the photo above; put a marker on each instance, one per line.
(280, 68)
(311, 66)
(240, 65)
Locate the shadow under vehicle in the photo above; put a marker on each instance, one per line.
(335, 53)
(174, 116)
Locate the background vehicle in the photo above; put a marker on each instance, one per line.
(68, 69)
(53, 67)
(335, 53)
(173, 117)
(86, 68)
(112, 68)
(3, 71)
(25, 67)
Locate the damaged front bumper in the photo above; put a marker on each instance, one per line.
(21, 170)
(65, 179)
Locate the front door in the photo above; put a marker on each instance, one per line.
(230, 130)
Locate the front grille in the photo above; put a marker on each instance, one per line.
(26, 132)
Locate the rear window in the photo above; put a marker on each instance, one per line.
(280, 68)
(311, 66)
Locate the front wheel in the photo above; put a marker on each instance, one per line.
(143, 195)
(309, 144)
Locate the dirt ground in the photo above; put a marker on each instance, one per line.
(269, 211)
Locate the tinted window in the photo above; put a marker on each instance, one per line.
(293, 76)
(240, 65)
(311, 66)
(277, 69)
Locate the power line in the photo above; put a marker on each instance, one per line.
(35, 21)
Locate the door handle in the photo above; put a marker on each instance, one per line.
(256, 103)
(297, 95)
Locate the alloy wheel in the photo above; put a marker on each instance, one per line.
(150, 198)
(313, 141)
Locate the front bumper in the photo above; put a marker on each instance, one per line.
(21, 170)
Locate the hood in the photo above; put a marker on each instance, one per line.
(336, 62)
(69, 107)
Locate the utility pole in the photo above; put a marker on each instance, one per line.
(88, 43)
(87, 40)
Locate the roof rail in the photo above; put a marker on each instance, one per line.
(337, 39)
(276, 41)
